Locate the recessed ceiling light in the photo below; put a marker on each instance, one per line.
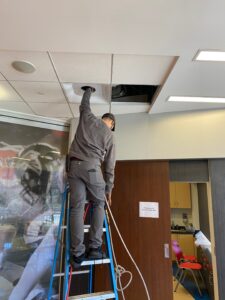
(23, 66)
(3, 93)
(208, 55)
(196, 99)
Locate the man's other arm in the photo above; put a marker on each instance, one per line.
(108, 168)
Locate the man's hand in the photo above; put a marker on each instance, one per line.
(109, 198)
(86, 87)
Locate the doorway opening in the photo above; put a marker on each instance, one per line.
(191, 232)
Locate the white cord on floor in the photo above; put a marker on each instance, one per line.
(138, 270)
(120, 271)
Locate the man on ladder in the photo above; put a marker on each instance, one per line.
(93, 145)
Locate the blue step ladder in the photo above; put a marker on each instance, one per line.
(64, 230)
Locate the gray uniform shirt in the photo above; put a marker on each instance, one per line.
(94, 141)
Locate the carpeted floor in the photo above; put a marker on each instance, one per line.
(190, 286)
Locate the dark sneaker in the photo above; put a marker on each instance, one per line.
(96, 253)
(76, 261)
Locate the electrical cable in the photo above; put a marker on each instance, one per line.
(119, 270)
(132, 259)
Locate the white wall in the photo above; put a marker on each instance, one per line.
(169, 136)
(73, 128)
(177, 216)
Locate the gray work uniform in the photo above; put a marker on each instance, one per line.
(93, 145)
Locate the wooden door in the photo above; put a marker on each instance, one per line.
(148, 181)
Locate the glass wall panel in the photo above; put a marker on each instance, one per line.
(32, 177)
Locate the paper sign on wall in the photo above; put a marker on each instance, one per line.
(149, 209)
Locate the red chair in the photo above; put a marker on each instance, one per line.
(179, 255)
(186, 263)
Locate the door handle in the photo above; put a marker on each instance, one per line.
(166, 251)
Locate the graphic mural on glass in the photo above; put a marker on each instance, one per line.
(32, 164)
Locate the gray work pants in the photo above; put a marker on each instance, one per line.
(86, 183)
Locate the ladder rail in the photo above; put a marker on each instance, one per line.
(57, 244)
(67, 252)
(90, 285)
(112, 270)
(91, 268)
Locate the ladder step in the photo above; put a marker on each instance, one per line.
(94, 296)
(73, 273)
(95, 262)
(86, 228)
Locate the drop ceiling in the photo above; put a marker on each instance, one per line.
(105, 43)
(54, 89)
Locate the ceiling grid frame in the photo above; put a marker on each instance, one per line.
(21, 97)
(60, 83)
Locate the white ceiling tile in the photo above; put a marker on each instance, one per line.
(89, 68)
(129, 108)
(97, 109)
(16, 106)
(1, 77)
(44, 70)
(51, 110)
(100, 109)
(39, 91)
(141, 69)
(102, 95)
(7, 93)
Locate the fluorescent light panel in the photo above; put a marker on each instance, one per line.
(196, 99)
(207, 55)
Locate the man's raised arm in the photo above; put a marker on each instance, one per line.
(85, 102)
